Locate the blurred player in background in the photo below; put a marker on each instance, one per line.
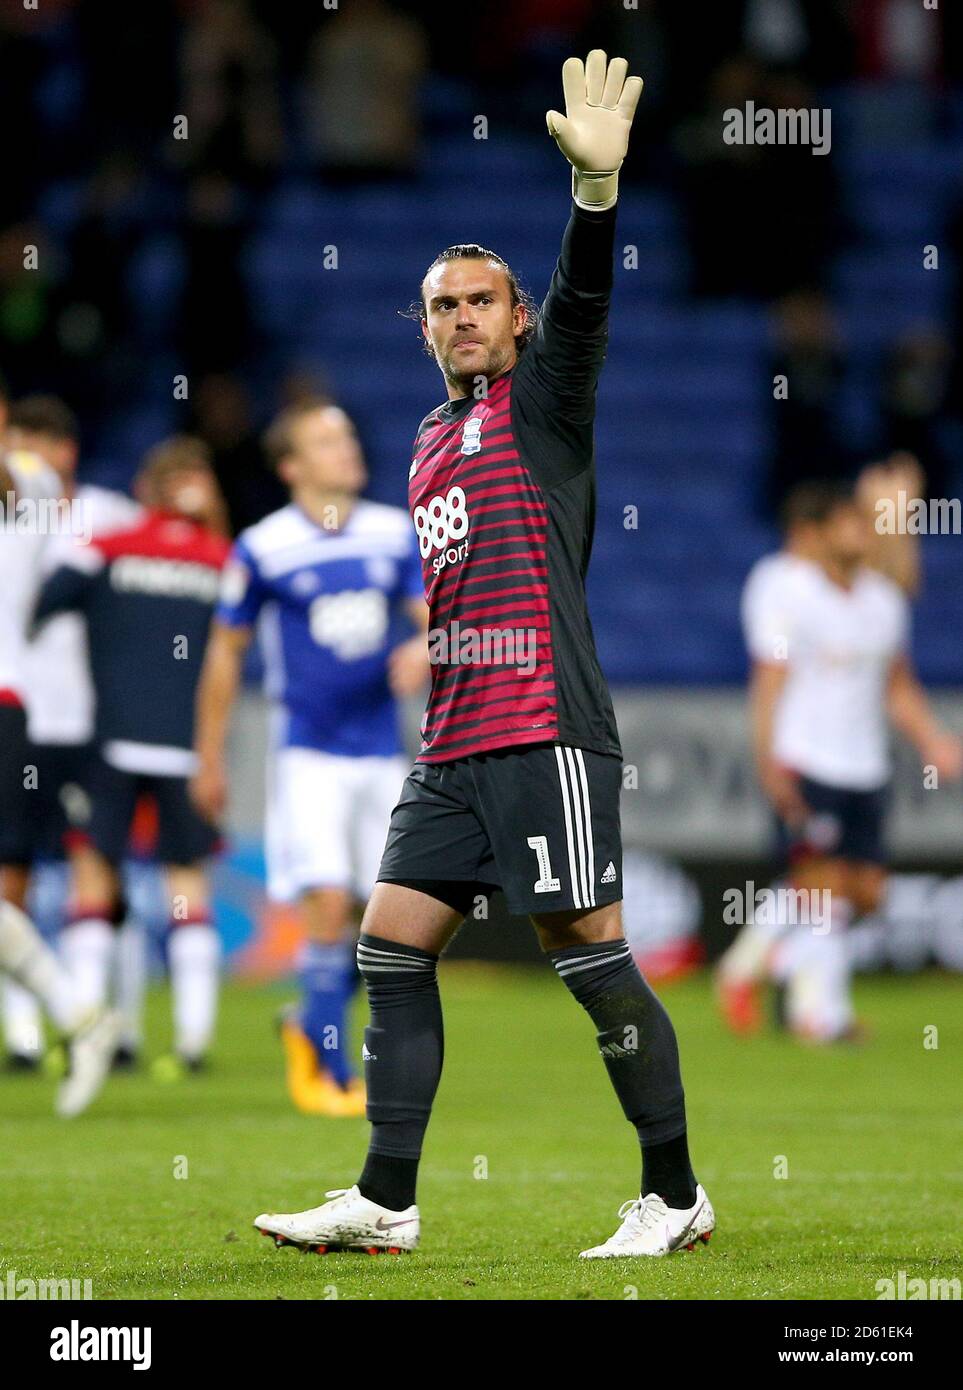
(147, 593)
(60, 714)
(519, 776)
(325, 580)
(27, 488)
(894, 553)
(829, 640)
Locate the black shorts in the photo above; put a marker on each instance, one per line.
(17, 789)
(540, 822)
(183, 836)
(62, 803)
(843, 824)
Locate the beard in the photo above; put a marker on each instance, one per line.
(491, 363)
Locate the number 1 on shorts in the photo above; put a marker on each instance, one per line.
(545, 883)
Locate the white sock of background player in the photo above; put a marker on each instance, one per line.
(26, 957)
(751, 955)
(87, 950)
(818, 996)
(194, 958)
(130, 982)
(22, 1020)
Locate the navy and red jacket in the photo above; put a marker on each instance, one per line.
(147, 593)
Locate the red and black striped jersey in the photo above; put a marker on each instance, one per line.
(502, 495)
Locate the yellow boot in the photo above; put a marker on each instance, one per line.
(353, 1098)
(310, 1087)
(325, 1097)
(328, 1098)
(300, 1067)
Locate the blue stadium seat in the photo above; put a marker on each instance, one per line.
(684, 409)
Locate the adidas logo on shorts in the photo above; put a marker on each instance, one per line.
(610, 875)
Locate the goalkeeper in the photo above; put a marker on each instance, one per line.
(517, 782)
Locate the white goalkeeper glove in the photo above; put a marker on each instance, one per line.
(593, 135)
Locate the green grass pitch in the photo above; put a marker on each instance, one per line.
(870, 1138)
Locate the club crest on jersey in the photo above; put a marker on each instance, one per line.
(305, 582)
(471, 436)
(381, 571)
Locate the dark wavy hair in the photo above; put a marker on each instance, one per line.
(814, 502)
(49, 415)
(471, 251)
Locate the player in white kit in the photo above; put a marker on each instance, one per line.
(828, 638)
(60, 727)
(29, 514)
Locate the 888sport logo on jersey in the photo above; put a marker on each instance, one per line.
(442, 525)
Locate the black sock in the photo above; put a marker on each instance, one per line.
(638, 1045)
(667, 1171)
(389, 1181)
(403, 1051)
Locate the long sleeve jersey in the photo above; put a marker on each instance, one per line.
(502, 495)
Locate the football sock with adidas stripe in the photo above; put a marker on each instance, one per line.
(403, 1052)
(638, 1045)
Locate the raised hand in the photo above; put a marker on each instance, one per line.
(593, 134)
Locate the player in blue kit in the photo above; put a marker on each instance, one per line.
(332, 584)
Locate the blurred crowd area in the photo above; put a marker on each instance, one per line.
(161, 258)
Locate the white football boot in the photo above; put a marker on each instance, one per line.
(92, 1050)
(348, 1222)
(649, 1227)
